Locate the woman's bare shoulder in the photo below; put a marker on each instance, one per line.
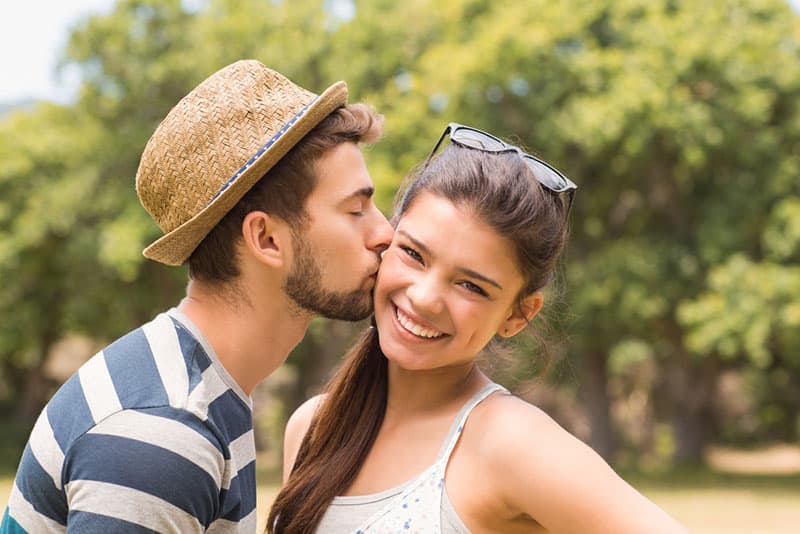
(516, 436)
(300, 419)
(506, 418)
(296, 428)
(538, 468)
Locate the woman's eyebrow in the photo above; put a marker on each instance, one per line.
(416, 242)
(479, 276)
(468, 272)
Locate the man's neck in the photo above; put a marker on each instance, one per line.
(251, 336)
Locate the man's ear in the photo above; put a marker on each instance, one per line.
(266, 238)
(521, 314)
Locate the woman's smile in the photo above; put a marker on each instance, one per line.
(415, 328)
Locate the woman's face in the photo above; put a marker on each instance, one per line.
(446, 285)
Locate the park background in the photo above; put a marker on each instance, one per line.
(673, 329)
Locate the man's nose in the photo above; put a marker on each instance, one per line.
(381, 233)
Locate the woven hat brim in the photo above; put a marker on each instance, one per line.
(175, 247)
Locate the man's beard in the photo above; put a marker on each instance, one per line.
(304, 287)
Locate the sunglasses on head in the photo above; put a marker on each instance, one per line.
(548, 176)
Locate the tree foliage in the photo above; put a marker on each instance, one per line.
(679, 121)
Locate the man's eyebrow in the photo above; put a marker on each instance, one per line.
(366, 192)
(468, 272)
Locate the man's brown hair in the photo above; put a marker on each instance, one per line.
(283, 190)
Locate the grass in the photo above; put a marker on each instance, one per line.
(707, 502)
(747, 492)
(5, 489)
(710, 502)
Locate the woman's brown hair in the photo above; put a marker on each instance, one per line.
(502, 191)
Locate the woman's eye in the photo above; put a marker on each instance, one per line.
(469, 286)
(412, 253)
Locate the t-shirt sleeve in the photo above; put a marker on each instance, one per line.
(155, 470)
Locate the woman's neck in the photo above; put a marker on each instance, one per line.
(427, 392)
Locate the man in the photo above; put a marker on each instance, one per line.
(260, 186)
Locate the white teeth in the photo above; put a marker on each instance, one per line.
(416, 329)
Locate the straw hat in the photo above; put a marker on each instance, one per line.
(216, 143)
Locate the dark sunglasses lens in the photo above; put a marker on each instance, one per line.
(547, 176)
(475, 139)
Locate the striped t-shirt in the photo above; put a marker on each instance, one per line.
(150, 435)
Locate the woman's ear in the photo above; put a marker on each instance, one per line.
(521, 314)
(266, 238)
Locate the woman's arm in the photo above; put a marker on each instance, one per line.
(548, 474)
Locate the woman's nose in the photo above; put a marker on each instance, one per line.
(425, 295)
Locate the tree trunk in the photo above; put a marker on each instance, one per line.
(35, 392)
(597, 403)
(691, 387)
(33, 387)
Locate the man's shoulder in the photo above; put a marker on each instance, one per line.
(149, 367)
(162, 341)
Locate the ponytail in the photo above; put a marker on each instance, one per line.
(338, 439)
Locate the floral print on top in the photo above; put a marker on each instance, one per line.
(417, 509)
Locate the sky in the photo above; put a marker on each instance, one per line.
(32, 34)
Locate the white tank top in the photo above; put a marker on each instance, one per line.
(420, 505)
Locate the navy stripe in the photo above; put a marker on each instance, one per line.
(230, 415)
(135, 464)
(38, 488)
(242, 493)
(188, 419)
(69, 413)
(134, 373)
(147, 468)
(10, 526)
(89, 522)
(194, 356)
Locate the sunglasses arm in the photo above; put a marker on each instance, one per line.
(437, 145)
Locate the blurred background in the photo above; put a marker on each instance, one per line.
(673, 330)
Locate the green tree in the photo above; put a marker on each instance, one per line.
(678, 120)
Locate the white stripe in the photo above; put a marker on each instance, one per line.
(210, 387)
(227, 476)
(249, 522)
(98, 388)
(32, 521)
(168, 434)
(222, 526)
(243, 449)
(46, 449)
(166, 349)
(129, 505)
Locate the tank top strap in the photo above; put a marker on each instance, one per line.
(461, 418)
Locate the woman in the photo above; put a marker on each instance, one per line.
(411, 436)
